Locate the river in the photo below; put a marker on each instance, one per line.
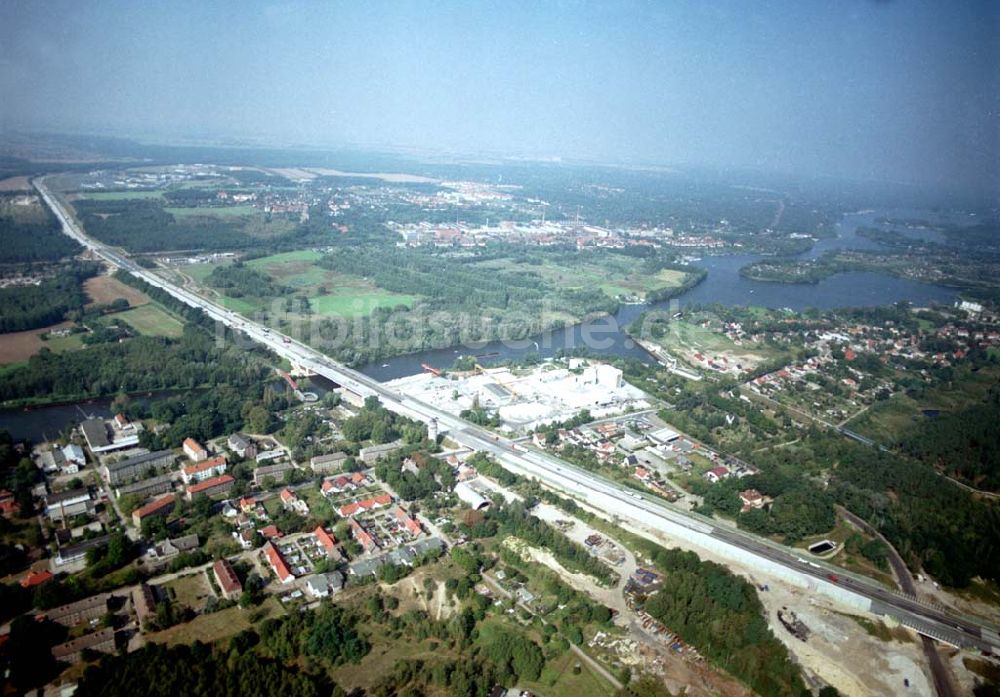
(723, 285)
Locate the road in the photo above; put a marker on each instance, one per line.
(593, 490)
(943, 684)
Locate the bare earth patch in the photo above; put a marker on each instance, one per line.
(17, 347)
(15, 184)
(104, 289)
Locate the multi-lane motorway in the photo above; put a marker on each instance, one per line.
(595, 491)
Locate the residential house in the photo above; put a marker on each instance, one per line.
(200, 471)
(215, 486)
(174, 546)
(36, 578)
(227, 579)
(103, 641)
(194, 450)
(68, 554)
(323, 464)
(327, 543)
(317, 586)
(241, 445)
(275, 472)
(751, 498)
(144, 603)
(145, 488)
(277, 563)
(138, 467)
(160, 507)
(717, 474)
(74, 453)
(291, 501)
(363, 537)
(8, 505)
(408, 523)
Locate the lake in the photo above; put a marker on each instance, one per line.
(723, 285)
(605, 336)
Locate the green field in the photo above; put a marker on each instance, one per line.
(887, 421)
(213, 212)
(152, 321)
(115, 195)
(329, 292)
(558, 680)
(358, 304)
(241, 305)
(71, 342)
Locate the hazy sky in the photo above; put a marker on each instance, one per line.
(903, 90)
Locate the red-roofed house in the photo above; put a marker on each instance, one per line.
(227, 579)
(349, 509)
(35, 578)
(211, 487)
(751, 498)
(327, 542)
(411, 524)
(194, 450)
(157, 507)
(271, 532)
(364, 538)
(378, 501)
(717, 474)
(277, 563)
(291, 501)
(201, 471)
(8, 506)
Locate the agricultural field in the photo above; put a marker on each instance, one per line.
(328, 292)
(152, 320)
(117, 195)
(102, 290)
(213, 212)
(18, 347)
(15, 184)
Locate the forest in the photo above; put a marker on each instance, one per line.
(31, 307)
(156, 670)
(964, 444)
(932, 523)
(238, 280)
(451, 284)
(31, 242)
(719, 614)
(140, 364)
(144, 226)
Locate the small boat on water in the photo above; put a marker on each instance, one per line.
(385, 365)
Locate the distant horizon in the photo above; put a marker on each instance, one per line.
(987, 195)
(862, 90)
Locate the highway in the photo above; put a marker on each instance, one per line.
(595, 491)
